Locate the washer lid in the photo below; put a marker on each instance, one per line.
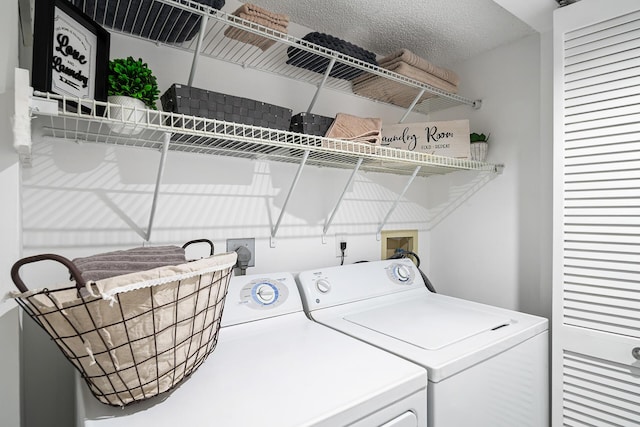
(428, 324)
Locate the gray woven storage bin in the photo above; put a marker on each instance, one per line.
(214, 105)
(310, 124)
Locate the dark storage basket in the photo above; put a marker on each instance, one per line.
(213, 105)
(310, 61)
(310, 124)
(147, 18)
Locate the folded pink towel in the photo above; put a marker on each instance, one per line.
(354, 129)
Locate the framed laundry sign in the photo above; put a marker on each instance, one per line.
(70, 52)
(444, 138)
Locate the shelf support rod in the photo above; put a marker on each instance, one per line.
(322, 83)
(395, 204)
(196, 53)
(344, 192)
(272, 241)
(154, 203)
(413, 104)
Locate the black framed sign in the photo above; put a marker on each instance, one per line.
(70, 51)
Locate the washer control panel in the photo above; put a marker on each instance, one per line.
(401, 274)
(264, 294)
(331, 286)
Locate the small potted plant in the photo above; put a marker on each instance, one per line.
(132, 86)
(479, 146)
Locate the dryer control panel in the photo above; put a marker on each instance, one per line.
(264, 294)
(256, 297)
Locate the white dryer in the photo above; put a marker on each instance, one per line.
(274, 367)
(487, 367)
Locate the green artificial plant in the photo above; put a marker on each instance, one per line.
(479, 137)
(130, 77)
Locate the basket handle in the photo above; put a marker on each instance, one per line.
(199, 241)
(75, 273)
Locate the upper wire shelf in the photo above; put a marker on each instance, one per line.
(105, 123)
(215, 44)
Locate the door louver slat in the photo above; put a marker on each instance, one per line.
(602, 185)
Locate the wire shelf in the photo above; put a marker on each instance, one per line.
(106, 123)
(214, 44)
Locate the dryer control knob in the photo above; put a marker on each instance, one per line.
(323, 285)
(402, 273)
(265, 293)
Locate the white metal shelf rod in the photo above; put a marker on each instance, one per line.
(395, 204)
(344, 192)
(163, 160)
(274, 232)
(198, 49)
(322, 83)
(411, 107)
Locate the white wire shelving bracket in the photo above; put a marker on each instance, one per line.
(339, 202)
(213, 43)
(163, 160)
(274, 231)
(396, 202)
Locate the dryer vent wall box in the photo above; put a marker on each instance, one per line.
(492, 361)
(292, 372)
(392, 240)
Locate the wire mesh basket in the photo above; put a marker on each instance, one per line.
(137, 335)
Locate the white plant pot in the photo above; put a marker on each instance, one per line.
(479, 151)
(130, 112)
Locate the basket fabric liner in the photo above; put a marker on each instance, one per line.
(137, 335)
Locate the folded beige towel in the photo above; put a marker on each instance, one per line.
(252, 9)
(354, 129)
(422, 76)
(264, 22)
(249, 12)
(405, 55)
(385, 90)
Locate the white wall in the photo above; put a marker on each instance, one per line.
(9, 222)
(480, 235)
(492, 248)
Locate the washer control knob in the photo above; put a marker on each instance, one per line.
(323, 286)
(402, 273)
(265, 293)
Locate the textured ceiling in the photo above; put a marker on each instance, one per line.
(443, 31)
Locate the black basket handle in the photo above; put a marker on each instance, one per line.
(75, 273)
(209, 242)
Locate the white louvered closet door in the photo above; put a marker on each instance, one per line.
(596, 279)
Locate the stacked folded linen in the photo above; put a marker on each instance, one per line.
(408, 64)
(250, 12)
(354, 129)
(117, 263)
(310, 61)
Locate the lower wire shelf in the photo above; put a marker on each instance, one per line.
(95, 122)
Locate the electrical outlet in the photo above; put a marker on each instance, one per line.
(233, 244)
(339, 239)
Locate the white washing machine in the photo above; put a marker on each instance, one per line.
(487, 367)
(274, 367)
